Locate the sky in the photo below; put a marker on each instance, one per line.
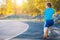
(2, 2)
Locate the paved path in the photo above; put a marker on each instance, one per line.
(14, 29)
(11, 28)
(35, 32)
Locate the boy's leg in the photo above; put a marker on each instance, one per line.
(46, 31)
(49, 32)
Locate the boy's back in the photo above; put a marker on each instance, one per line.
(48, 13)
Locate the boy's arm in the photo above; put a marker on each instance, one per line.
(54, 13)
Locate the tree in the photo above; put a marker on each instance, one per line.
(56, 4)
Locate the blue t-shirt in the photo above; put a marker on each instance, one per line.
(48, 13)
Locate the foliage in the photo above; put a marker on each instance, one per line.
(56, 4)
(31, 7)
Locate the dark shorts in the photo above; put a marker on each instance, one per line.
(48, 23)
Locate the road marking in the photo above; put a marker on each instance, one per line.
(12, 28)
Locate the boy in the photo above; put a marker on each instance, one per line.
(48, 13)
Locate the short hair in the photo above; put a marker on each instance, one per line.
(49, 4)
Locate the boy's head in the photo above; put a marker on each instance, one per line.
(48, 5)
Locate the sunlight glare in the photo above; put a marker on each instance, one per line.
(19, 2)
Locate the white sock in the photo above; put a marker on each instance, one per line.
(45, 28)
(49, 32)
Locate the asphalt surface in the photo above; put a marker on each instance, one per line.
(35, 32)
(11, 28)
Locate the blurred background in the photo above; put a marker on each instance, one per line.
(26, 9)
